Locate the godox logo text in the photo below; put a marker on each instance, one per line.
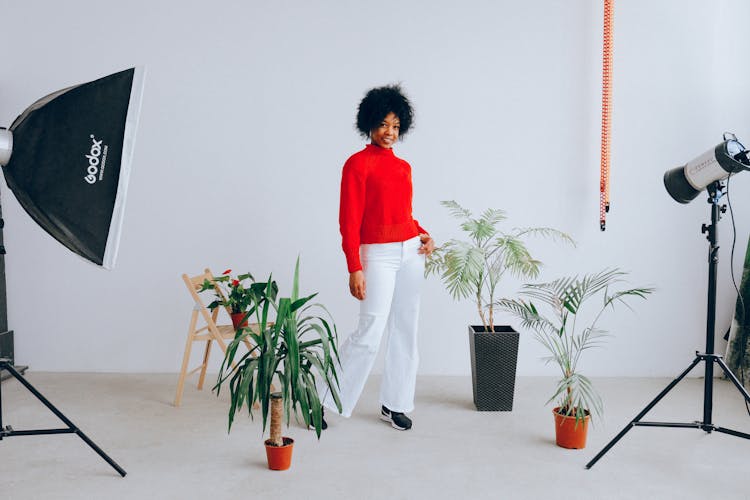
(94, 160)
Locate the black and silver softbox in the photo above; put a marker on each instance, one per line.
(67, 160)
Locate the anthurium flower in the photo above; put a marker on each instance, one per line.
(230, 291)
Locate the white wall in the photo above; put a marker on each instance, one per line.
(248, 116)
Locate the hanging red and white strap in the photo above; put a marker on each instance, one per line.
(606, 114)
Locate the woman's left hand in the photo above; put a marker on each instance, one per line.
(428, 244)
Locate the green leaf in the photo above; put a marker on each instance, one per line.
(295, 282)
(492, 216)
(546, 232)
(463, 272)
(513, 255)
(456, 210)
(297, 303)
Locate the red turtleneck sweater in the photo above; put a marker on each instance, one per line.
(375, 207)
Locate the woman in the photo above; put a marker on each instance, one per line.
(385, 250)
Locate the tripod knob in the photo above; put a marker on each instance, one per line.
(723, 209)
(704, 228)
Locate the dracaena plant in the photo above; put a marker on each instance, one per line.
(293, 348)
(474, 267)
(552, 311)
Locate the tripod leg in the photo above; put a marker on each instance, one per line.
(65, 419)
(732, 377)
(1, 404)
(643, 412)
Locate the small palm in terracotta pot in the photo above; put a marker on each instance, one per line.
(576, 397)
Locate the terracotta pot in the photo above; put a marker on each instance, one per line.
(279, 457)
(568, 433)
(236, 318)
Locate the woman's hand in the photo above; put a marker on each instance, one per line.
(357, 284)
(428, 244)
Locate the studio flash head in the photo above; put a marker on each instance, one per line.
(686, 182)
(6, 146)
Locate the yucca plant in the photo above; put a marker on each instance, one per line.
(294, 350)
(476, 266)
(566, 340)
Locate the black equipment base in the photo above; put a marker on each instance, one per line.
(6, 375)
(715, 192)
(8, 431)
(703, 425)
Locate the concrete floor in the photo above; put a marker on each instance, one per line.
(453, 452)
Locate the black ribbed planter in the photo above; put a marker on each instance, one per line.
(493, 366)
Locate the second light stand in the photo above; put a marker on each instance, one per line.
(715, 192)
(70, 427)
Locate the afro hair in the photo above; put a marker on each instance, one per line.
(376, 105)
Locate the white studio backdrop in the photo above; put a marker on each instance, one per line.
(248, 116)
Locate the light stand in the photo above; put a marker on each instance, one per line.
(8, 431)
(6, 336)
(7, 370)
(77, 198)
(715, 192)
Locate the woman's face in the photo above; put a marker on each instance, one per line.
(386, 134)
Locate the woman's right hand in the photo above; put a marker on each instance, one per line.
(357, 284)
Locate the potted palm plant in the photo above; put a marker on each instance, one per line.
(566, 338)
(294, 351)
(474, 268)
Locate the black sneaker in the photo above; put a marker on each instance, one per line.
(323, 423)
(398, 420)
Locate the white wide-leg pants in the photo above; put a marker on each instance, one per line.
(394, 273)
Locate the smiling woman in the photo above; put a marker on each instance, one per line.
(380, 103)
(386, 134)
(385, 249)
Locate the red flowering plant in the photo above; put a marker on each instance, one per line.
(231, 292)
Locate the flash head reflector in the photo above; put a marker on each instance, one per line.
(686, 182)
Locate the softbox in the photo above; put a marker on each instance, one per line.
(70, 162)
